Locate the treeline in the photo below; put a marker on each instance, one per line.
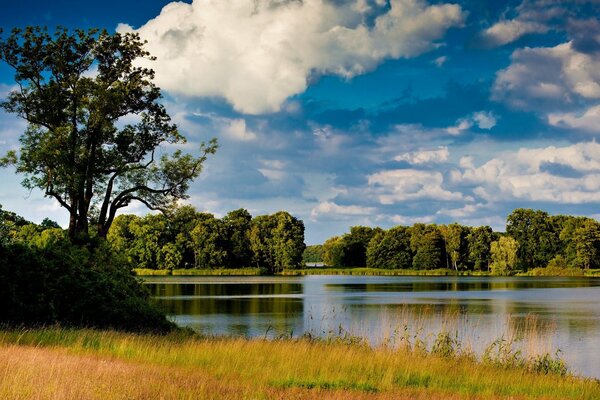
(185, 238)
(532, 239)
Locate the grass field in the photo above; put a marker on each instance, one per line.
(87, 364)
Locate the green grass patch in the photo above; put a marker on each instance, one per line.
(199, 272)
(553, 271)
(380, 272)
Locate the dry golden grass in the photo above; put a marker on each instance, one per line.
(84, 364)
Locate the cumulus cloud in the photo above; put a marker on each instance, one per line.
(588, 121)
(569, 174)
(257, 53)
(507, 31)
(398, 185)
(549, 77)
(425, 156)
(330, 208)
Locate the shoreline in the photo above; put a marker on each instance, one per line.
(536, 272)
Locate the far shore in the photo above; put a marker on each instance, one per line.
(559, 272)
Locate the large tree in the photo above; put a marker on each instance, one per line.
(95, 123)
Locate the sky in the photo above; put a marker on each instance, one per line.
(362, 112)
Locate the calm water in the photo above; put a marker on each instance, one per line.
(562, 313)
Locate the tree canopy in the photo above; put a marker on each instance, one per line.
(95, 123)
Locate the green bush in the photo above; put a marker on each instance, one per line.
(73, 286)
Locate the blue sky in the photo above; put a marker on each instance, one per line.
(364, 112)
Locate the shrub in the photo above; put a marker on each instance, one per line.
(73, 286)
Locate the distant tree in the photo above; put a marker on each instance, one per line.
(149, 239)
(10, 224)
(569, 238)
(210, 243)
(430, 252)
(333, 252)
(77, 90)
(313, 254)
(504, 255)
(354, 253)
(455, 239)
(237, 224)
(261, 242)
(390, 249)
(587, 244)
(288, 241)
(181, 222)
(534, 231)
(122, 235)
(428, 247)
(479, 246)
(277, 242)
(48, 223)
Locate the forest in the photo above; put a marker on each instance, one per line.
(187, 239)
(533, 239)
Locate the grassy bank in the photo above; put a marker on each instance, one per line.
(199, 272)
(552, 271)
(573, 272)
(74, 364)
(308, 271)
(381, 272)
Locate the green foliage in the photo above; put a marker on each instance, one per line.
(210, 243)
(313, 254)
(504, 255)
(277, 242)
(428, 245)
(479, 242)
(536, 234)
(390, 249)
(333, 251)
(77, 148)
(455, 239)
(59, 283)
(237, 223)
(587, 244)
(184, 239)
(354, 252)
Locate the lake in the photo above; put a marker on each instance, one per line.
(539, 313)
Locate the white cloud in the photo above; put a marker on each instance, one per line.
(256, 54)
(466, 211)
(482, 119)
(329, 208)
(507, 31)
(399, 185)
(569, 174)
(548, 76)
(425, 156)
(410, 220)
(461, 125)
(236, 129)
(589, 121)
(440, 61)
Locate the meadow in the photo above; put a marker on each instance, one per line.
(58, 363)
